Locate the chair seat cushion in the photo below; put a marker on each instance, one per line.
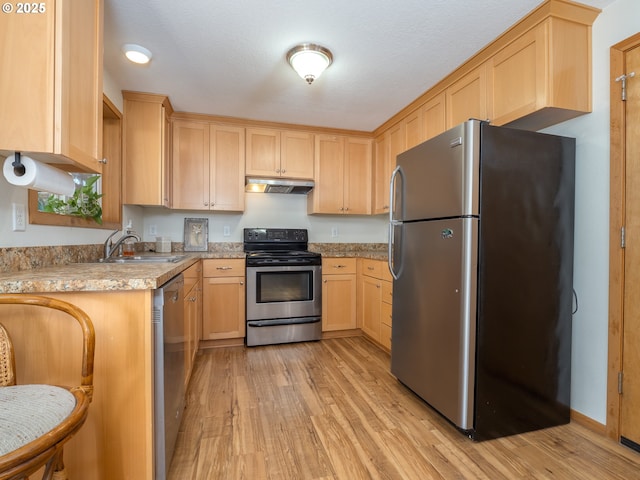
(29, 411)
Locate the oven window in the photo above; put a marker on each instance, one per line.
(284, 286)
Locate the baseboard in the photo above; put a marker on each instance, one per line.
(356, 332)
(227, 342)
(588, 423)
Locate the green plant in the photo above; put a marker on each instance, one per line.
(85, 202)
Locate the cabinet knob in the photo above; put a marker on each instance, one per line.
(103, 161)
(241, 282)
(206, 204)
(277, 170)
(283, 171)
(324, 281)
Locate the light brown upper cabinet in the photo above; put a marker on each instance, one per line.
(534, 75)
(279, 153)
(467, 98)
(208, 166)
(413, 128)
(434, 116)
(146, 176)
(51, 85)
(342, 176)
(543, 77)
(386, 151)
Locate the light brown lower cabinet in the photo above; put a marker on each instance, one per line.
(338, 294)
(116, 440)
(223, 299)
(374, 302)
(192, 315)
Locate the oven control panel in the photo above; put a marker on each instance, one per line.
(275, 235)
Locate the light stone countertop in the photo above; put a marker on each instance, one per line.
(75, 277)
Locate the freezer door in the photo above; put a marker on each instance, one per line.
(434, 314)
(439, 178)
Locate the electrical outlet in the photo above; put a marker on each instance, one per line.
(153, 229)
(19, 217)
(226, 231)
(334, 232)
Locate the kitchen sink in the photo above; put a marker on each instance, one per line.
(153, 258)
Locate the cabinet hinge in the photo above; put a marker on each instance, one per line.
(622, 237)
(623, 79)
(620, 383)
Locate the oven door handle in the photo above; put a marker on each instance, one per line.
(283, 321)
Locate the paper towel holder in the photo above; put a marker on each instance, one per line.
(18, 167)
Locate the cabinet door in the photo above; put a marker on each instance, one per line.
(112, 169)
(327, 195)
(371, 305)
(190, 328)
(338, 302)
(518, 75)
(414, 129)
(52, 100)
(190, 176)
(434, 116)
(381, 165)
(227, 157)
(145, 158)
(357, 176)
(386, 152)
(223, 308)
(296, 154)
(263, 152)
(467, 98)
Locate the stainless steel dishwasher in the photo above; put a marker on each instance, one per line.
(169, 370)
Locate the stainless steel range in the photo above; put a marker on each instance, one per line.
(284, 290)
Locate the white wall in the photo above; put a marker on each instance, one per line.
(269, 210)
(591, 266)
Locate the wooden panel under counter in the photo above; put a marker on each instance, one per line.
(116, 440)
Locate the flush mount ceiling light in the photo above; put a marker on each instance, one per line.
(136, 53)
(309, 60)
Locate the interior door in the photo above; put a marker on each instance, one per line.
(630, 398)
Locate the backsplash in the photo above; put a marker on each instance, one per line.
(15, 259)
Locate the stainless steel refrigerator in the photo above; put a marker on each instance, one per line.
(481, 250)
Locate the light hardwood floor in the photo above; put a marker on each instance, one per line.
(332, 410)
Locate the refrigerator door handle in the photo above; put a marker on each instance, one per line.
(393, 223)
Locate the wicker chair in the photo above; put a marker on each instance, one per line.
(36, 420)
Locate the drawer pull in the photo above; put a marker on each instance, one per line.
(339, 266)
(370, 268)
(224, 268)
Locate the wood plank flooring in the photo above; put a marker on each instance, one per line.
(331, 410)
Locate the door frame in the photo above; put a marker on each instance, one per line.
(617, 197)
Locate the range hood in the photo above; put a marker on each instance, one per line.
(278, 185)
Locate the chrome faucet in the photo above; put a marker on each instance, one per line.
(110, 247)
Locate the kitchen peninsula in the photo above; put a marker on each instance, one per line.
(116, 440)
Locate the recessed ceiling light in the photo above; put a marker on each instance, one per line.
(136, 53)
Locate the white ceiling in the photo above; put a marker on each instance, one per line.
(228, 57)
